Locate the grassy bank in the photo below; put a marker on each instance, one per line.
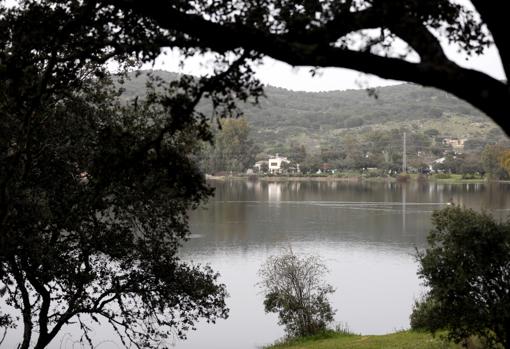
(449, 178)
(398, 340)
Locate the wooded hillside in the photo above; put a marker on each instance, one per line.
(315, 119)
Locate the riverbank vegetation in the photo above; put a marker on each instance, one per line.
(349, 134)
(466, 269)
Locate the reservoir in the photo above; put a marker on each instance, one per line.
(366, 233)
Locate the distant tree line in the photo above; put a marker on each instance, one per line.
(232, 149)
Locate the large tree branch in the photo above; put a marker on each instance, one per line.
(482, 91)
(420, 39)
(343, 23)
(496, 20)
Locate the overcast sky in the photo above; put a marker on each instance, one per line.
(299, 79)
(280, 74)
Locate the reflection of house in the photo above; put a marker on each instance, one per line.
(455, 143)
(274, 191)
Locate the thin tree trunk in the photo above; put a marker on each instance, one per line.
(26, 308)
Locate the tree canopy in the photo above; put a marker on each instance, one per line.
(95, 192)
(233, 149)
(399, 40)
(466, 267)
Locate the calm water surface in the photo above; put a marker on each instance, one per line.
(365, 232)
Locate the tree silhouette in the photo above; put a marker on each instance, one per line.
(95, 191)
(361, 35)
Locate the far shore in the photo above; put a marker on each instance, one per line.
(286, 178)
(453, 179)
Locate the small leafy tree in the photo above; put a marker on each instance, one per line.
(467, 268)
(233, 149)
(294, 288)
(492, 161)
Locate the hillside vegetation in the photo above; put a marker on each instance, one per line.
(314, 117)
(355, 129)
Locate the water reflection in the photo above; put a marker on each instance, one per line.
(367, 232)
(274, 192)
(404, 191)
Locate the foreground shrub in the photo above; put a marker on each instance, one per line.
(467, 269)
(294, 289)
(424, 315)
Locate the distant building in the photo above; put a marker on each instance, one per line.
(455, 143)
(436, 162)
(276, 163)
(260, 164)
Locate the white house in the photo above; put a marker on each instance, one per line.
(455, 143)
(258, 165)
(276, 162)
(437, 162)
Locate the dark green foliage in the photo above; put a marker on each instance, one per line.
(95, 193)
(93, 218)
(294, 288)
(293, 112)
(425, 315)
(492, 161)
(309, 127)
(233, 149)
(297, 153)
(467, 269)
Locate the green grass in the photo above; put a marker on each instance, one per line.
(455, 178)
(398, 340)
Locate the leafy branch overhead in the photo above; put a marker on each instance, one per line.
(94, 192)
(400, 40)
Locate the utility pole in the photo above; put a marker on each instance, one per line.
(404, 156)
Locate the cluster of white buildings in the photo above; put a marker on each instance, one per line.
(276, 164)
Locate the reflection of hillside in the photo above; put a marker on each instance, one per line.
(256, 214)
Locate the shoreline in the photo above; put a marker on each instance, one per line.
(412, 179)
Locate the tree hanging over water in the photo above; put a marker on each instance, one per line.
(95, 193)
(400, 40)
